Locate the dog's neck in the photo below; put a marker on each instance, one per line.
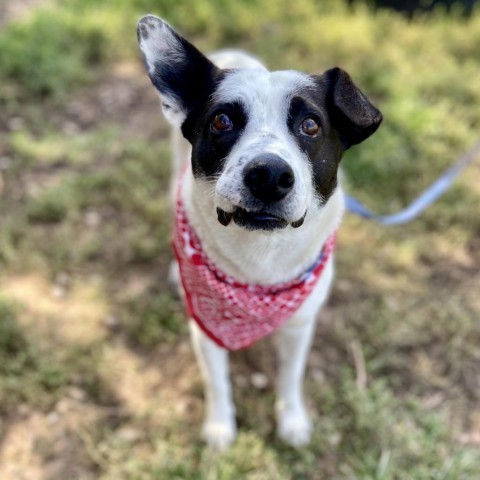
(256, 256)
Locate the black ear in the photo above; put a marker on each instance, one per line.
(183, 76)
(351, 112)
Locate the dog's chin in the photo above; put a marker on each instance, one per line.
(260, 220)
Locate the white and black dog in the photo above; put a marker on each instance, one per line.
(258, 204)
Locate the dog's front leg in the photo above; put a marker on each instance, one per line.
(293, 344)
(219, 427)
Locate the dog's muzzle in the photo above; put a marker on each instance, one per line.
(269, 180)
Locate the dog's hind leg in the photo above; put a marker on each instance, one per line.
(219, 427)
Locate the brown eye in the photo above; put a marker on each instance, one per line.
(309, 127)
(221, 123)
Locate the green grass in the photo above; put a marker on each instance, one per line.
(30, 52)
(85, 198)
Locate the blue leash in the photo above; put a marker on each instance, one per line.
(417, 206)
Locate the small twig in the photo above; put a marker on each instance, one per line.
(359, 362)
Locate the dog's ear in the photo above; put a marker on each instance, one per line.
(183, 76)
(351, 112)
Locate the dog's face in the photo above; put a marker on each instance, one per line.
(267, 145)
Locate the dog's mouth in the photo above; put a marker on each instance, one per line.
(260, 220)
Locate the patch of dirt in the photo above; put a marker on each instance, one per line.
(69, 311)
(156, 385)
(39, 446)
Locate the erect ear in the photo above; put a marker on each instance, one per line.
(351, 112)
(183, 76)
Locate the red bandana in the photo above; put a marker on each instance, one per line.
(235, 315)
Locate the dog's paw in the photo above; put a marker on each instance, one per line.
(294, 427)
(219, 434)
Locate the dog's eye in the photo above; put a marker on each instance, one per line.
(309, 127)
(221, 123)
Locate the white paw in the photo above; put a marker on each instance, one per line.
(219, 434)
(294, 427)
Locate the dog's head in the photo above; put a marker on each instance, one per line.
(268, 143)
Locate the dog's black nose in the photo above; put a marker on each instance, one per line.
(269, 178)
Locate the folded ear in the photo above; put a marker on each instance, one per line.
(183, 76)
(351, 112)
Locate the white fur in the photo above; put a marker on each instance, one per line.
(259, 257)
(256, 256)
(265, 258)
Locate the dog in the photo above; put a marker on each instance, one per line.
(258, 202)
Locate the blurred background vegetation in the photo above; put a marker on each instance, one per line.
(97, 380)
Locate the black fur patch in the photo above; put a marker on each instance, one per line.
(346, 117)
(325, 150)
(143, 31)
(351, 112)
(209, 148)
(189, 82)
(183, 74)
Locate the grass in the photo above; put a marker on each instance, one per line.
(94, 346)
(30, 51)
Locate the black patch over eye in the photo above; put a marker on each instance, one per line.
(309, 124)
(213, 133)
(221, 123)
(309, 127)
